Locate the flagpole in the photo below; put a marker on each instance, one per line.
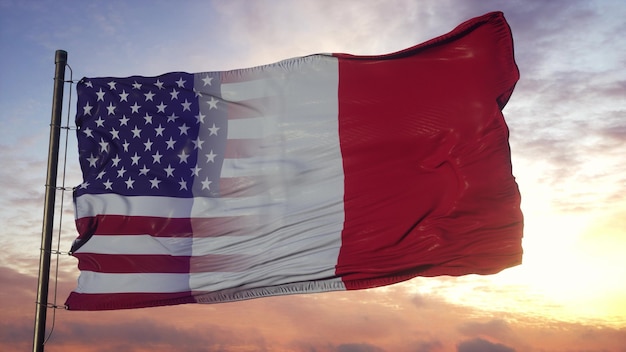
(60, 60)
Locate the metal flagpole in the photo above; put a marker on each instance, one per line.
(60, 60)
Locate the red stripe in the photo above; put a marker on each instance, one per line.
(134, 225)
(107, 301)
(141, 263)
(163, 227)
(428, 184)
(109, 263)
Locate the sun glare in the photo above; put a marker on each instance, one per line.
(571, 271)
(576, 276)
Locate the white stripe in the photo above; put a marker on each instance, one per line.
(93, 282)
(167, 207)
(251, 128)
(248, 90)
(254, 166)
(311, 268)
(115, 204)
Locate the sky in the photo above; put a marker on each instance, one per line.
(567, 121)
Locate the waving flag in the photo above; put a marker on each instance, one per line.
(324, 172)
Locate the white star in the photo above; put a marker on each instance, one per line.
(183, 184)
(104, 146)
(156, 158)
(88, 84)
(100, 95)
(212, 103)
(134, 108)
(169, 170)
(124, 96)
(172, 118)
(108, 184)
(161, 107)
(183, 129)
(210, 157)
(84, 185)
(135, 158)
(100, 122)
(136, 85)
(159, 84)
(196, 93)
(213, 130)
(111, 109)
(186, 105)
(88, 131)
(112, 85)
(92, 160)
(87, 109)
(100, 175)
(116, 160)
(207, 80)
(174, 94)
(149, 95)
(206, 183)
(197, 143)
(148, 119)
(115, 134)
(148, 145)
(129, 183)
(143, 171)
(124, 120)
(170, 143)
(126, 144)
(181, 83)
(154, 183)
(195, 170)
(200, 118)
(121, 172)
(159, 130)
(183, 157)
(136, 132)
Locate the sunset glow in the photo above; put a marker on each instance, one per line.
(567, 122)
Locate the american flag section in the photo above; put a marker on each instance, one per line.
(210, 182)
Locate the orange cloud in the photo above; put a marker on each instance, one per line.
(388, 319)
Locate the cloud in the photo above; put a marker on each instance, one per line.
(388, 319)
(427, 346)
(480, 345)
(567, 119)
(358, 347)
(566, 115)
(156, 335)
(496, 328)
(274, 30)
(571, 141)
(16, 334)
